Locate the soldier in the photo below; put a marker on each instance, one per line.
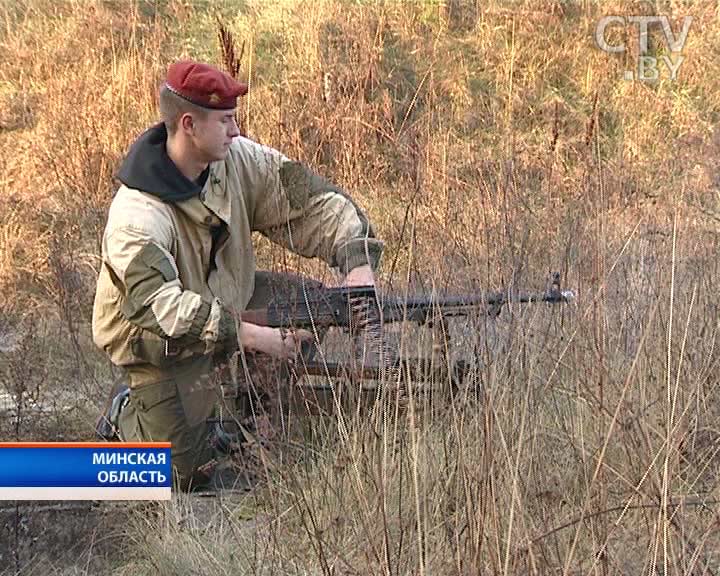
(178, 266)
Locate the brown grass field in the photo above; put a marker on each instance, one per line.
(491, 143)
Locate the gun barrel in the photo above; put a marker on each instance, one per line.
(419, 309)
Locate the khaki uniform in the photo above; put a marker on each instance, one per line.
(174, 273)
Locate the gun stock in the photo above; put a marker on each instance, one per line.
(257, 316)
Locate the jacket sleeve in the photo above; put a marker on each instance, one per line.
(143, 269)
(304, 212)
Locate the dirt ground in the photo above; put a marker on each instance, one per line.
(90, 537)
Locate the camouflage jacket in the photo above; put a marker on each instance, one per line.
(173, 271)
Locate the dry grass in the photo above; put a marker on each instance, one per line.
(490, 143)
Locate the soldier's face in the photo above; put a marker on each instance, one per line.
(213, 134)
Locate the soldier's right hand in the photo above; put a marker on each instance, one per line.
(277, 342)
(291, 342)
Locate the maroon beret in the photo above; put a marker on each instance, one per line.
(204, 85)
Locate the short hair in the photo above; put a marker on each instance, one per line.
(172, 107)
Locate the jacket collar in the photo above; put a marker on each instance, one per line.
(147, 167)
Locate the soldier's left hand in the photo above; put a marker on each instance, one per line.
(360, 276)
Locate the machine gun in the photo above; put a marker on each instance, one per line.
(363, 311)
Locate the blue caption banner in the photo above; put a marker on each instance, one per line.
(85, 470)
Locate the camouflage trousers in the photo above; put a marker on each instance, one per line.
(183, 408)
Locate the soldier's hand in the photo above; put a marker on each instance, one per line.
(292, 341)
(360, 276)
(277, 342)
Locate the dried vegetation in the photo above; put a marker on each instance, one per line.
(491, 143)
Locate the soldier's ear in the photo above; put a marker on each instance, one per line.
(187, 123)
